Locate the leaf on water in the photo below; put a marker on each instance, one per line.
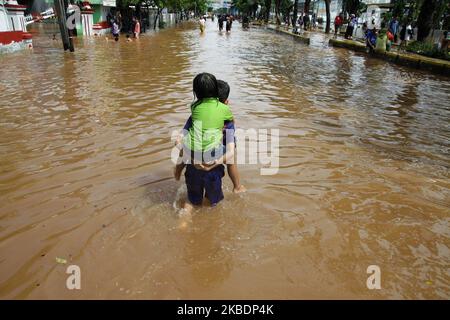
(61, 260)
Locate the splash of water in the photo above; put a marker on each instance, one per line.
(181, 194)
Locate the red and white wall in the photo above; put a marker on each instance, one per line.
(13, 31)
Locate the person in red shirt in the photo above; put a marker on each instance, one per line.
(338, 21)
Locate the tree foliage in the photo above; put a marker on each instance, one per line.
(246, 6)
(353, 6)
(172, 5)
(431, 12)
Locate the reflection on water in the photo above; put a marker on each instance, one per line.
(85, 171)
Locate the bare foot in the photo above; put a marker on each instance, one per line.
(239, 189)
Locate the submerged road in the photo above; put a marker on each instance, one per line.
(85, 171)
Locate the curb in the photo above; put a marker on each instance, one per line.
(354, 45)
(297, 37)
(438, 66)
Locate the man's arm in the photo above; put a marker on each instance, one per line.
(179, 166)
(186, 128)
(228, 157)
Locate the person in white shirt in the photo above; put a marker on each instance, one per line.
(202, 23)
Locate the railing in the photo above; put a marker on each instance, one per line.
(28, 19)
(47, 14)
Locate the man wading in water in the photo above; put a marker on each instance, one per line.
(202, 23)
(229, 23)
(220, 23)
(205, 147)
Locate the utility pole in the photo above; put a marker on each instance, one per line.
(61, 9)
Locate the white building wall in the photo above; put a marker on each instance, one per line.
(16, 21)
(4, 23)
(87, 23)
(104, 13)
(375, 2)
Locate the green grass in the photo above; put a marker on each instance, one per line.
(427, 49)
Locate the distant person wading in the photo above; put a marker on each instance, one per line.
(202, 23)
(220, 22)
(229, 23)
(137, 28)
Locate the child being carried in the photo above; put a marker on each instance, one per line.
(208, 142)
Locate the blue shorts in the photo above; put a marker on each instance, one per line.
(208, 183)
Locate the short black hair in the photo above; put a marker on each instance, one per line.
(223, 90)
(205, 86)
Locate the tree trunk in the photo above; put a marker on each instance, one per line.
(425, 19)
(147, 15)
(327, 8)
(268, 4)
(306, 6)
(295, 14)
(306, 13)
(277, 11)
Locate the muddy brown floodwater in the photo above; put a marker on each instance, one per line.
(86, 175)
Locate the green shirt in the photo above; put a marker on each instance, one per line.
(208, 118)
(380, 45)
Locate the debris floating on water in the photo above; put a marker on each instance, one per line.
(61, 260)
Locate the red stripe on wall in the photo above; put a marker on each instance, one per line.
(16, 36)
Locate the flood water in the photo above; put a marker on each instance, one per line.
(86, 175)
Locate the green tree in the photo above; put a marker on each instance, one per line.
(446, 18)
(399, 8)
(351, 6)
(248, 7)
(286, 8)
(430, 15)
